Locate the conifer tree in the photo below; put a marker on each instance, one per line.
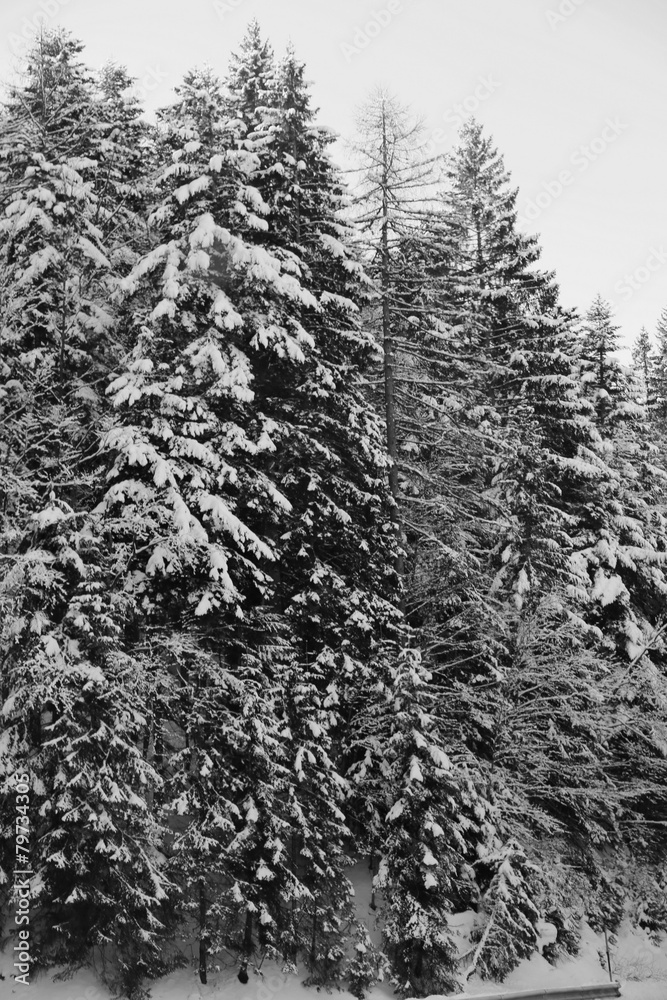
(256, 620)
(656, 401)
(642, 356)
(333, 582)
(268, 481)
(520, 434)
(598, 344)
(524, 385)
(507, 932)
(658, 379)
(71, 693)
(126, 157)
(251, 80)
(623, 538)
(390, 198)
(423, 870)
(621, 545)
(548, 473)
(191, 502)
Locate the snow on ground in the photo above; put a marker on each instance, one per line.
(639, 965)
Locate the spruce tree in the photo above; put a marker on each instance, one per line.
(658, 378)
(246, 449)
(423, 870)
(191, 504)
(71, 692)
(523, 388)
(598, 343)
(642, 356)
(251, 80)
(209, 517)
(620, 538)
(621, 545)
(520, 434)
(507, 931)
(538, 396)
(333, 582)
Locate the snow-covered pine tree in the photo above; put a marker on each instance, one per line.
(367, 967)
(550, 765)
(333, 583)
(54, 270)
(100, 886)
(642, 357)
(433, 810)
(71, 694)
(622, 547)
(517, 405)
(251, 81)
(297, 157)
(656, 403)
(507, 931)
(609, 545)
(599, 342)
(229, 852)
(620, 536)
(261, 456)
(438, 455)
(658, 378)
(457, 320)
(126, 165)
(187, 475)
(548, 473)
(523, 388)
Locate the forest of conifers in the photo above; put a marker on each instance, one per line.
(327, 535)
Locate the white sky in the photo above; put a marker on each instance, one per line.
(546, 77)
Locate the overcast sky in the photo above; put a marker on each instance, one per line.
(574, 93)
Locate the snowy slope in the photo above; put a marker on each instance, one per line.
(637, 964)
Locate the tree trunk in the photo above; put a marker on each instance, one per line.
(203, 935)
(389, 351)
